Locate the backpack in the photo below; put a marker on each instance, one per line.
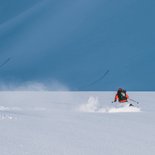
(121, 95)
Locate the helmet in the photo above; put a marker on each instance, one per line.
(120, 89)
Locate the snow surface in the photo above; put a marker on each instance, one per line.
(75, 123)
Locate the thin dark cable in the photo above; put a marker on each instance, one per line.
(96, 81)
(5, 62)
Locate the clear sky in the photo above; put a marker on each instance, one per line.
(76, 42)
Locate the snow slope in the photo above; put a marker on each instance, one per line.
(46, 123)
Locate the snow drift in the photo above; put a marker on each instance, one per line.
(94, 106)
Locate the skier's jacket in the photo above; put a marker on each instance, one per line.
(121, 96)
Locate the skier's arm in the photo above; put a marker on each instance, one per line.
(116, 98)
(127, 96)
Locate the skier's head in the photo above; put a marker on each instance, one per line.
(121, 90)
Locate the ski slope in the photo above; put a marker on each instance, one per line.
(75, 123)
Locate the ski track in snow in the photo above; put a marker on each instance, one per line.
(11, 113)
(94, 106)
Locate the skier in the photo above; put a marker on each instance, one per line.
(122, 96)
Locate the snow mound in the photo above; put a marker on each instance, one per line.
(3, 108)
(4, 116)
(93, 106)
(8, 113)
(123, 109)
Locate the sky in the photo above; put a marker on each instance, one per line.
(72, 44)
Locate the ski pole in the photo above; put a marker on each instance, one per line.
(133, 100)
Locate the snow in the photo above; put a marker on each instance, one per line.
(75, 123)
(94, 106)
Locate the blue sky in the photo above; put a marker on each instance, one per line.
(76, 42)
